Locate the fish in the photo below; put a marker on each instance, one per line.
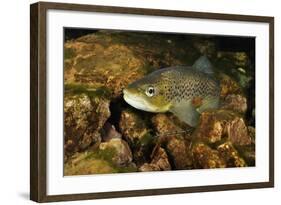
(185, 91)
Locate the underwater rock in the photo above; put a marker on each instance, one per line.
(248, 151)
(109, 132)
(122, 154)
(149, 167)
(210, 128)
(95, 65)
(231, 155)
(237, 132)
(236, 103)
(163, 125)
(159, 162)
(115, 59)
(237, 65)
(100, 161)
(228, 85)
(231, 141)
(252, 134)
(135, 131)
(132, 125)
(175, 137)
(218, 124)
(83, 119)
(206, 158)
(178, 150)
(239, 59)
(84, 164)
(167, 125)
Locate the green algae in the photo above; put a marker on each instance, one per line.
(96, 162)
(147, 139)
(76, 89)
(108, 155)
(69, 53)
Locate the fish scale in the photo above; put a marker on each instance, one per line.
(191, 84)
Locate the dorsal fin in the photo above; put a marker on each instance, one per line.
(203, 64)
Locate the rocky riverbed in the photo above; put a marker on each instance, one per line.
(103, 134)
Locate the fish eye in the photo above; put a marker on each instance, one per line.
(150, 91)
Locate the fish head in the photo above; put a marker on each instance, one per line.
(147, 94)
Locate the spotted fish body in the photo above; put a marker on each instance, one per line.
(186, 91)
(185, 83)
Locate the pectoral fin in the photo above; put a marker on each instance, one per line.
(209, 103)
(186, 112)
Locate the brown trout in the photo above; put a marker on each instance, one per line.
(186, 91)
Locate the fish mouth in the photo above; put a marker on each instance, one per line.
(137, 101)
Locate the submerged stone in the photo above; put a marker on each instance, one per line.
(113, 156)
(237, 103)
(115, 59)
(175, 137)
(167, 125)
(159, 162)
(136, 132)
(96, 166)
(237, 65)
(109, 132)
(237, 132)
(220, 125)
(228, 85)
(83, 119)
(231, 155)
(206, 158)
(122, 154)
(222, 139)
(179, 152)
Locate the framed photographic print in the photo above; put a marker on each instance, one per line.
(133, 102)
